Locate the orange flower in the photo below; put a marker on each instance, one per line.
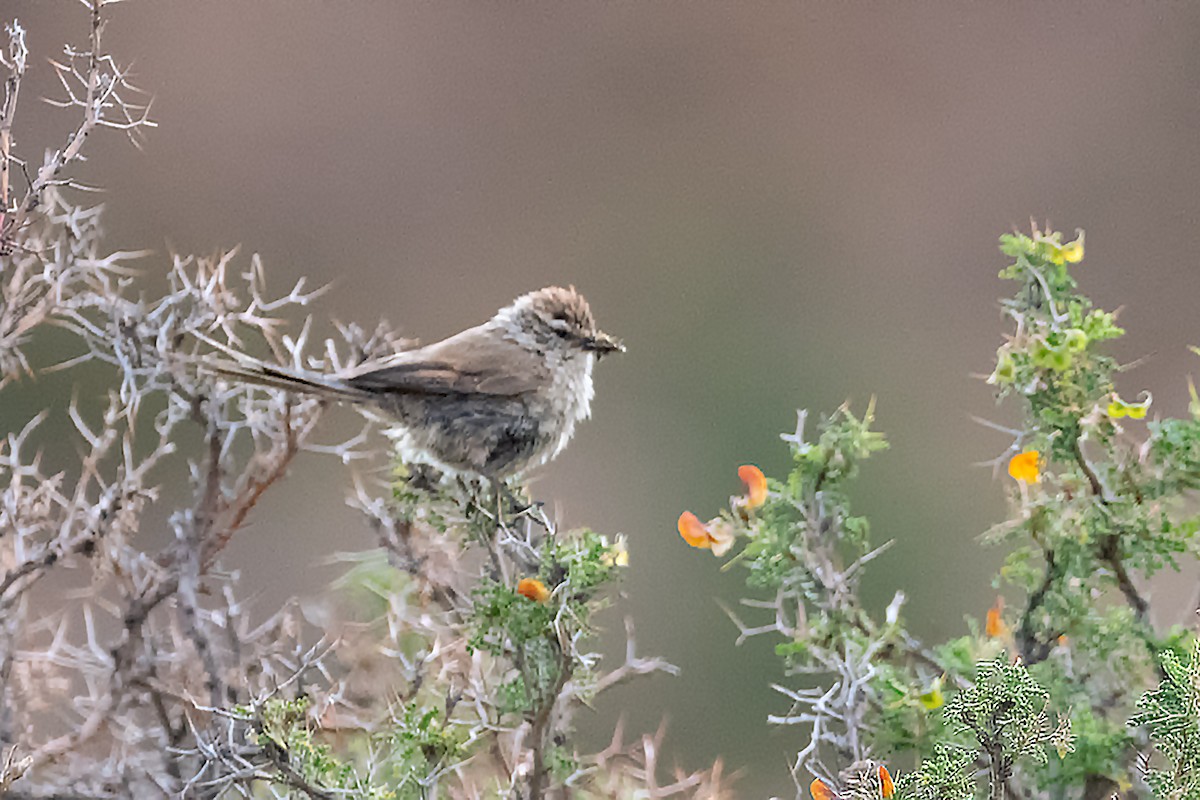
(534, 589)
(820, 791)
(887, 788)
(1024, 466)
(693, 531)
(756, 485)
(996, 627)
(717, 535)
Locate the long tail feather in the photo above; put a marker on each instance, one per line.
(246, 370)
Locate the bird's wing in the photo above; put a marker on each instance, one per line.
(475, 361)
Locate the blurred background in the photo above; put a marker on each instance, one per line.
(775, 205)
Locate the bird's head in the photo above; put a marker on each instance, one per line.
(561, 317)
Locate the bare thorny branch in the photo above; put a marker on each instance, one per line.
(127, 671)
(150, 636)
(92, 82)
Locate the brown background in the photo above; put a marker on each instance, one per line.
(776, 205)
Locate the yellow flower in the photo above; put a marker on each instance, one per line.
(716, 535)
(1072, 252)
(1024, 466)
(617, 555)
(1069, 253)
(934, 698)
(534, 589)
(756, 485)
(1118, 408)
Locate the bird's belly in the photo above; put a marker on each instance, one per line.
(478, 434)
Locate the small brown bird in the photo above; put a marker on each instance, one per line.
(491, 401)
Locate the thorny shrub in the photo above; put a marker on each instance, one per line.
(133, 673)
(127, 672)
(1058, 699)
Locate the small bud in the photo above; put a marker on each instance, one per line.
(1005, 370)
(1075, 340)
(1054, 358)
(995, 626)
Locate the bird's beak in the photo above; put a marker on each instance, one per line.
(602, 344)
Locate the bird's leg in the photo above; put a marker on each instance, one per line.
(523, 542)
(424, 478)
(467, 491)
(477, 499)
(498, 492)
(489, 535)
(535, 512)
(519, 505)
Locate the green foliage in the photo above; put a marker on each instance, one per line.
(503, 620)
(1174, 456)
(562, 763)
(948, 774)
(417, 744)
(910, 717)
(573, 567)
(1171, 715)
(1102, 514)
(508, 625)
(1107, 505)
(790, 525)
(581, 563)
(832, 461)
(1005, 710)
(1099, 744)
(531, 636)
(370, 582)
(418, 500)
(960, 655)
(999, 720)
(1052, 360)
(286, 734)
(1103, 511)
